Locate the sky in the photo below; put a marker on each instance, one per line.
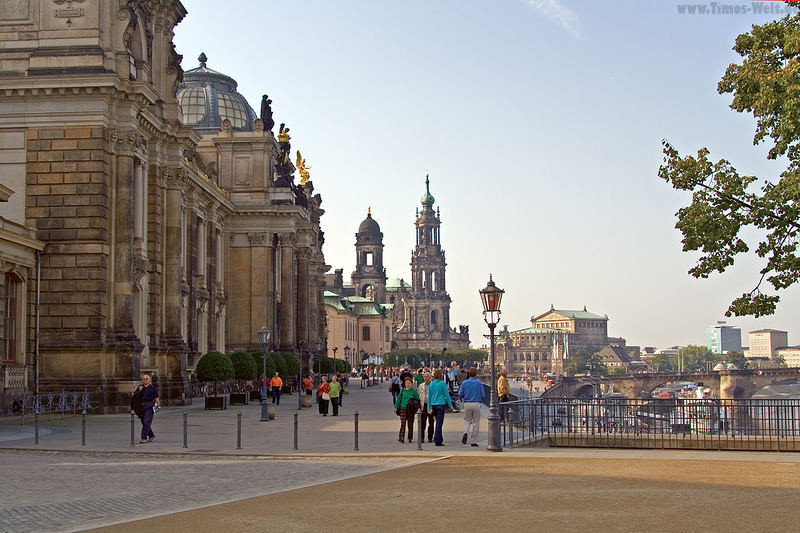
(540, 123)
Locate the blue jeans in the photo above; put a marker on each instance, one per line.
(276, 395)
(438, 414)
(147, 420)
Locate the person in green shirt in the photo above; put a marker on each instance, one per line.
(419, 377)
(406, 406)
(335, 390)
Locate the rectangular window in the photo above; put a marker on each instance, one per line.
(386, 335)
(365, 333)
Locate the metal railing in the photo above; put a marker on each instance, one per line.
(58, 403)
(664, 423)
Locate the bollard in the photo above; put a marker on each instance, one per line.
(83, 428)
(36, 428)
(132, 430)
(264, 410)
(239, 430)
(419, 431)
(355, 420)
(295, 431)
(185, 429)
(510, 417)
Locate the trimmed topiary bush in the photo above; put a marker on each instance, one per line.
(280, 365)
(258, 359)
(214, 367)
(244, 367)
(292, 364)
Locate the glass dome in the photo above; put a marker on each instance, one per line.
(208, 97)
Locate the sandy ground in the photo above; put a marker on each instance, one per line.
(468, 493)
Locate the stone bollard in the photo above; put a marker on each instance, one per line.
(355, 421)
(185, 429)
(83, 428)
(306, 401)
(133, 429)
(239, 430)
(36, 428)
(295, 431)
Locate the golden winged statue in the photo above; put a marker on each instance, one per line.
(302, 169)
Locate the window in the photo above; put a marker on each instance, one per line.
(10, 308)
(368, 258)
(365, 333)
(193, 105)
(232, 109)
(386, 335)
(433, 318)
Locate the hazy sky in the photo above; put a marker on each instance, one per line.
(540, 122)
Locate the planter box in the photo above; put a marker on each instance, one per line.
(216, 402)
(239, 398)
(254, 395)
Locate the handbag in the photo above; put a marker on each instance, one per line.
(326, 396)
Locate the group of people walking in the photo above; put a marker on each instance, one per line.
(429, 393)
(330, 394)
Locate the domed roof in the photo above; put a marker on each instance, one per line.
(208, 97)
(369, 225)
(427, 198)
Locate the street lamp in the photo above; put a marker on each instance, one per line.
(491, 296)
(334, 358)
(263, 339)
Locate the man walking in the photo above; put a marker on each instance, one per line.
(276, 383)
(472, 392)
(427, 418)
(150, 405)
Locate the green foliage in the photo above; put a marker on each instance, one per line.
(280, 364)
(259, 361)
(725, 205)
(244, 368)
(214, 366)
(326, 363)
(342, 366)
(292, 363)
(662, 363)
(586, 360)
(696, 358)
(737, 358)
(417, 358)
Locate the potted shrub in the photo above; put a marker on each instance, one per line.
(215, 367)
(244, 369)
(292, 370)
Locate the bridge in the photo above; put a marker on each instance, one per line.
(726, 384)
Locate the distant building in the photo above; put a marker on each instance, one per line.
(357, 328)
(790, 354)
(764, 342)
(721, 338)
(615, 358)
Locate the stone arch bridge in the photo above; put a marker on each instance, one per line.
(726, 384)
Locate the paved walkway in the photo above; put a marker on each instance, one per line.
(60, 485)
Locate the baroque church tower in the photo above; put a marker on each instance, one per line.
(369, 278)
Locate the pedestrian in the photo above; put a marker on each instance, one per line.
(364, 378)
(418, 377)
(150, 406)
(276, 383)
(426, 418)
(472, 392)
(308, 385)
(406, 407)
(406, 373)
(335, 391)
(502, 393)
(438, 401)
(394, 388)
(324, 396)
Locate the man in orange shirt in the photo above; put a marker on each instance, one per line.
(308, 385)
(276, 383)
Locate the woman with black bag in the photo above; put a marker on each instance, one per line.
(406, 407)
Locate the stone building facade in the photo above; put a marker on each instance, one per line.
(160, 242)
(419, 311)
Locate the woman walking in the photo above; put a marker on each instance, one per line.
(406, 406)
(438, 401)
(335, 392)
(324, 396)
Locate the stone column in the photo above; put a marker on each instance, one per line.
(173, 258)
(123, 248)
(288, 302)
(303, 298)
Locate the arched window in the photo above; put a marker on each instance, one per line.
(365, 333)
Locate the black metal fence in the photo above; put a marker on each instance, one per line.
(667, 423)
(48, 404)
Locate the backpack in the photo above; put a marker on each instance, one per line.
(136, 402)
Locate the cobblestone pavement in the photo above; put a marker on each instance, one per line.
(73, 491)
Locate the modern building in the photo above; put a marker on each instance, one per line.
(765, 342)
(163, 211)
(722, 338)
(419, 311)
(790, 355)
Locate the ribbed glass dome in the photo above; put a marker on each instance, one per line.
(208, 97)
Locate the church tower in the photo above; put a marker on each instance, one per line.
(369, 278)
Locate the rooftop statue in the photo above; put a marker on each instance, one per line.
(305, 175)
(266, 113)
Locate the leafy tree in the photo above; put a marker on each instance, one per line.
(779, 362)
(216, 367)
(280, 364)
(726, 205)
(662, 363)
(292, 363)
(586, 360)
(326, 363)
(244, 368)
(737, 358)
(696, 358)
(258, 358)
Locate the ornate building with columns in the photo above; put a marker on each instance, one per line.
(166, 212)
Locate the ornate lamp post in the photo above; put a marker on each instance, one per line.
(319, 346)
(347, 353)
(263, 339)
(334, 358)
(491, 296)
